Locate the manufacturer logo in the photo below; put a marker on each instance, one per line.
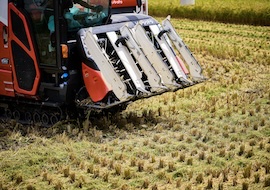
(117, 2)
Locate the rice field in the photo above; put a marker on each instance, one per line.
(252, 12)
(214, 135)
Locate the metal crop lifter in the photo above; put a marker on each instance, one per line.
(152, 75)
(194, 67)
(95, 52)
(152, 55)
(171, 56)
(128, 62)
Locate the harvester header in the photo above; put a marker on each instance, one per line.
(61, 56)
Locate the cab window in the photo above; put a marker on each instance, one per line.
(40, 11)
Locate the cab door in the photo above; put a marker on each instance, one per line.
(25, 68)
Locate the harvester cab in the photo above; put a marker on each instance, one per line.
(60, 54)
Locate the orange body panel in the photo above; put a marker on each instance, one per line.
(95, 84)
(6, 84)
(123, 3)
(30, 52)
(4, 51)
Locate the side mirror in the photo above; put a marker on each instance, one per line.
(139, 3)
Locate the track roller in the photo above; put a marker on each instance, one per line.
(8, 113)
(16, 115)
(36, 117)
(28, 117)
(54, 119)
(45, 120)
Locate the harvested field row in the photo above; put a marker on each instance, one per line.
(214, 135)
